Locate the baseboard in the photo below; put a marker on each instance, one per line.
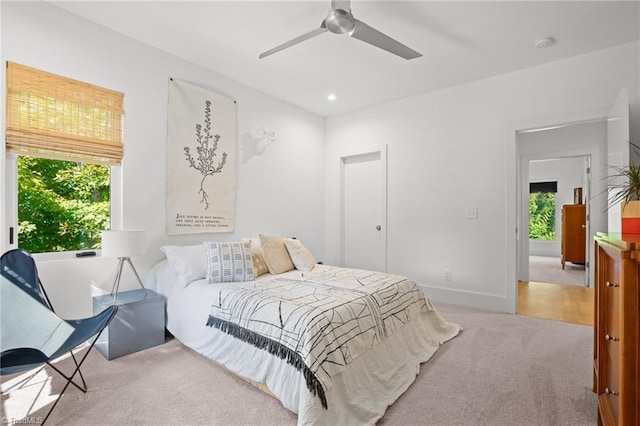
(545, 252)
(466, 298)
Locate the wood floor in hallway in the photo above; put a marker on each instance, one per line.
(559, 302)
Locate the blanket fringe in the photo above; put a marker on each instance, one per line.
(274, 348)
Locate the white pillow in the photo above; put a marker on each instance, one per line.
(275, 254)
(188, 262)
(162, 279)
(229, 262)
(301, 257)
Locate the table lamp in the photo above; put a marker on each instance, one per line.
(123, 244)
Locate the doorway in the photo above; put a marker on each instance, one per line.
(559, 200)
(581, 144)
(571, 155)
(607, 145)
(364, 210)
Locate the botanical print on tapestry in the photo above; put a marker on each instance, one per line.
(201, 160)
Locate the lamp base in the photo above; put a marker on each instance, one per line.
(116, 281)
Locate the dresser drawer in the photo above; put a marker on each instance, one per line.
(611, 312)
(611, 379)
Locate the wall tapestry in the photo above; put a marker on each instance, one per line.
(201, 160)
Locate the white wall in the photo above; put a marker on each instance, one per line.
(455, 148)
(568, 172)
(278, 192)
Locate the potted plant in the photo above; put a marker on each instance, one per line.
(624, 187)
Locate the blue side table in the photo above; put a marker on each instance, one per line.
(139, 323)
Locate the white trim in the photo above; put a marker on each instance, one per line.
(117, 195)
(469, 299)
(4, 219)
(10, 213)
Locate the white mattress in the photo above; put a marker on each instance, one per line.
(359, 394)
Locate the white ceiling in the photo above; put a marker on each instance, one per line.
(460, 42)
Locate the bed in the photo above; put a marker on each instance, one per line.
(334, 345)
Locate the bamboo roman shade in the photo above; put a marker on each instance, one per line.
(57, 117)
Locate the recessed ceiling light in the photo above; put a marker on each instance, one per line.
(544, 42)
(332, 97)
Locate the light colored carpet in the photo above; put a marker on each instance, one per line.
(501, 370)
(549, 270)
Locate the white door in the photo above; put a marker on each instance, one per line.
(364, 241)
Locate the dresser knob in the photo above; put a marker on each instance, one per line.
(612, 338)
(610, 392)
(610, 284)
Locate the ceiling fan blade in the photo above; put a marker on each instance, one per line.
(341, 4)
(374, 37)
(296, 40)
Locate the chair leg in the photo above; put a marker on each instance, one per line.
(82, 388)
(70, 378)
(84, 384)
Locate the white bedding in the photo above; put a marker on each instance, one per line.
(360, 394)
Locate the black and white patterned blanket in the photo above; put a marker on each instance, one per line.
(318, 321)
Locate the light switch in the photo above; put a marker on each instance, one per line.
(471, 213)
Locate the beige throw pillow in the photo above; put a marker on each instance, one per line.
(275, 254)
(259, 266)
(301, 257)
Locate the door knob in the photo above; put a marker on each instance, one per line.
(378, 227)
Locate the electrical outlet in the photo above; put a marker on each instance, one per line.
(447, 274)
(471, 213)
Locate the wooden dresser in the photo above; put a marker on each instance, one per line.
(616, 338)
(574, 236)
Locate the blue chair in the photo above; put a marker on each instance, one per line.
(32, 335)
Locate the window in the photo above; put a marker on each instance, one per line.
(62, 205)
(64, 137)
(542, 210)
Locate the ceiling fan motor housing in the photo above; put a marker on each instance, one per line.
(339, 21)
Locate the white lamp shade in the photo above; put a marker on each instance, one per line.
(123, 243)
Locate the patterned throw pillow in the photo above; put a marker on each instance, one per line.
(229, 262)
(259, 267)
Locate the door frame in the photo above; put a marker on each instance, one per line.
(514, 194)
(354, 153)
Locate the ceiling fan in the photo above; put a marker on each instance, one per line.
(340, 20)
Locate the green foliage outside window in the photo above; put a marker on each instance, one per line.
(542, 216)
(62, 205)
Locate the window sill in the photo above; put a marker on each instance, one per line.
(64, 255)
